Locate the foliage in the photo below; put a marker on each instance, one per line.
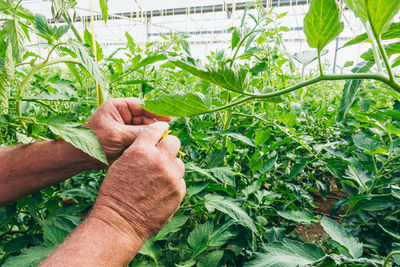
(266, 144)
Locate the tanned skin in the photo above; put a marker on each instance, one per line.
(141, 191)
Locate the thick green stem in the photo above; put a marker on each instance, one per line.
(384, 57)
(391, 254)
(321, 72)
(336, 77)
(25, 82)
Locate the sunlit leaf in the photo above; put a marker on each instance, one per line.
(7, 75)
(228, 77)
(78, 136)
(104, 9)
(179, 105)
(322, 23)
(379, 13)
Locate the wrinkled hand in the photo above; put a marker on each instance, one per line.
(118, 122)
(145, 186)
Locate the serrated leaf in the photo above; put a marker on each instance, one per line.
(14, 34)
(104, 9)
(5, 79)
(198, 238)
(150, 249)
(305, 58)
(342, 237)
(351, 89)
(173, 226)
(365, 143)
(288, 253)
(211, 259)
(228, 77)
(322, 23)
(42, 26)
(341, 260)
(78, 136)
(303, 216)
(85, 55)
(178, 105)
(6, 214)
(231, 208)
(391, 49)
(378, 13)
(29, 257)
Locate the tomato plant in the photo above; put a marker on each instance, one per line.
(283, 167)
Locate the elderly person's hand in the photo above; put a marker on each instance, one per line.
(117, 123)
(141, 192)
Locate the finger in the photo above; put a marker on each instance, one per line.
(125, 110)
(157, 117)
(181, 168)
(151, 134)
(130, 109)
(142, 120)
(170, 145)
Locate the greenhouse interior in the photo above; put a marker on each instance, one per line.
(200, 133)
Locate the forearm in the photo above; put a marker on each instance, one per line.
(95, 243)
(25, 169)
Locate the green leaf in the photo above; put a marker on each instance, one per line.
(231, 78)
(391, 49)
(42, 26)
(5, 79)
(232, 209)
(173, 226)
(261, 137)
(29, 257)
(150, 249)
(305, 58)
(78, 136)
(378, 13)
(85, 55)
(198, 238)
(104, 9)
(6, 214)
(322, 23)
(342, 237)
(211, 259)
(58, 224)
(365, 143)
(239, 137)
(303, 216)
(357, 40)
(341, 260)
(235, 38)
(288, 253)
(351, 89)
(179, 105)
(14, 34)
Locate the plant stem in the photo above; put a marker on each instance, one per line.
(385, 57)
(25, 82)
(391, 254)
(334, 77)
(321, 72)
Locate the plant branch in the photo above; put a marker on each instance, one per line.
(25, 82)
(391, 254)
(385, 57)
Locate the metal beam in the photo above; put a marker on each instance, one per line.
(190, 10)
